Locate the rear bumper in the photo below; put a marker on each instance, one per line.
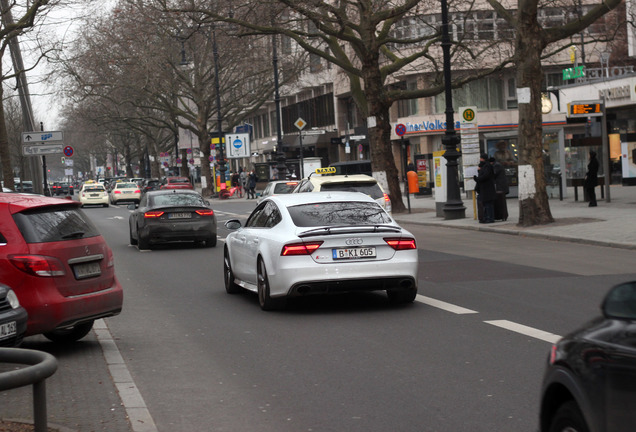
(20, 317)
(167, 232)
(50, 310)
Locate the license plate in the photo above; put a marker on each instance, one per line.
(180, 216)
(8, 329)
(86, 270)
(353, 253)
(95, 195)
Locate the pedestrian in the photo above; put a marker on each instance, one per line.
(487, 193)
(242, 181)
(501, 189)
(251, 185)
(591, 179)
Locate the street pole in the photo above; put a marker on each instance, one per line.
(280, 155)
(215, 51)
(454, 207)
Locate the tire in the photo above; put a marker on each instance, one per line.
(401, 296)
(105, 205)
(142, 242)
(211, 242)
(228, 276)
(132, 240)
(568, 418)
(72, 334)
(266, 302)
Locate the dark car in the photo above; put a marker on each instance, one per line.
(150, 184)
(62, 188)
(13, 318)
(590, 381)
(172, 216)
(58, 264)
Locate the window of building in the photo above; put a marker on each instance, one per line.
(408, 107)
(486, 94)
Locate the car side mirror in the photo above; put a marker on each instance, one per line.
(233, 224)
(620, 302)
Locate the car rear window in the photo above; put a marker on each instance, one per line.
(52, 224)
(126, 185)
(284, 188)
(179, 181)
(173, 200)
(338, 213)
(94, 188)
(367, 188)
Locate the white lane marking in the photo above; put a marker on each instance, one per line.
(443, 305)
(138, 414)
(525, 330)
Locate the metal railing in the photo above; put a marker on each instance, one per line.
(42, 366)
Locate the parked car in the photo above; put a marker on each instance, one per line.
(150, 185)
(176, 183)
(62, 188)
(92, 193)
(172, 216)
(319, 243)
(349, 183)
(277, 187)
(590, 379)
(125, 192)
(13, 318)
(58, 264)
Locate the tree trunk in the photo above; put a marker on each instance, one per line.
(5, 153)
(380, 136)
(534, 208)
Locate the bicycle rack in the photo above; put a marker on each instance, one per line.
(42, 366)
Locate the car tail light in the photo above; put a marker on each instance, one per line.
(401, 243)
(153, 214)
(300, 248)
(205, 212)
(137, 191)
(38, 265)
(117, 191)
(553, 354)
(387, 199)
(110, 262)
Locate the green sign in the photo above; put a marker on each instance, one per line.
(575, 72)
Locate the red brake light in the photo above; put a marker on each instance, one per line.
(205, 212)
(153, 214)
(386, 198)
(38, 265)
(117, 191)
(401, 243)
(137, 191)
(300, 248)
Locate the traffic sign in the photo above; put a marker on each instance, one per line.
(314, 132)
(239, 145)
(300, 123)
(42, 149)
(42, 136)
(400, 129)
(68, 151)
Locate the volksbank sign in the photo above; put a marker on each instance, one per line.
(428, 126)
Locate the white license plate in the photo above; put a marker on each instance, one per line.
(353, 253)
(86, 270)
(180, 216)
(8, 329)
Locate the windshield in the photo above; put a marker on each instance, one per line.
(338, 213)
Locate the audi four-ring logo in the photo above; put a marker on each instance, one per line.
(353, 241)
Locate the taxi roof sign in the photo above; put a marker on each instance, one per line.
(326, 170)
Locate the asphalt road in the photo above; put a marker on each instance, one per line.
(468, 355)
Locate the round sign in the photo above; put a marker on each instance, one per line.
(469, 115)
(178, 161)
(400, 129)
(68, 151)
(237, 143)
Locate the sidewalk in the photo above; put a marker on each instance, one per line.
(610, 224)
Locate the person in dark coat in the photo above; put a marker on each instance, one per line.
(502, 189)
(251, 185)
(591, 178)
(485, 179)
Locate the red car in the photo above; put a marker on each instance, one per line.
(176, 183)
(58, 264)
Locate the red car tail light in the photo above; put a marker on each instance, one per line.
(205, 212)
(387, 199)
(117, 191)
(300, 248)
(38, 265)
(111, 259)
(401, 243)
(137, 190)
(153, 214)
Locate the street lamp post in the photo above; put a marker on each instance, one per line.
(454, 207)
(280, 155)
(215, 52)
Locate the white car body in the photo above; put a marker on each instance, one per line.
(93, 194)
(129, 192)
(349, 223)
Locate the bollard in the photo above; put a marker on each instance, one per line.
(42, 366)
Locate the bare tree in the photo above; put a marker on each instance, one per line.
(532, 40)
